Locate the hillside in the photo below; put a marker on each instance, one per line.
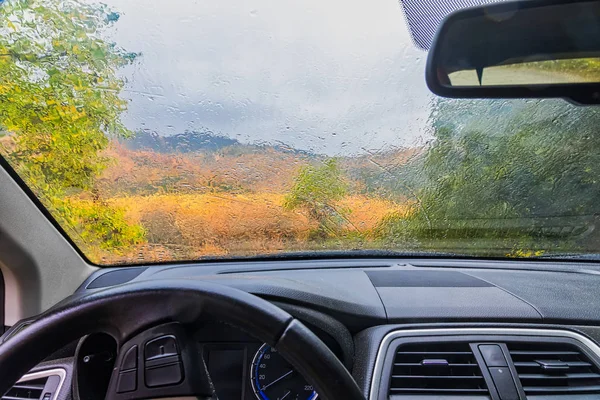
(206, 163)
(205, 141)
(186, 142)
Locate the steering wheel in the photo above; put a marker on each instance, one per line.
(161, 313)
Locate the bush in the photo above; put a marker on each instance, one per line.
(316, 189)
(97, 224)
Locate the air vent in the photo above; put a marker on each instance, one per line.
(554, 368)
(436, 368)
(44, 385)
(26, 390)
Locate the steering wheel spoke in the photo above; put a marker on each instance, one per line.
(162, 361)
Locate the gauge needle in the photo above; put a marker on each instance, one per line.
(286, 395)
(277, 380)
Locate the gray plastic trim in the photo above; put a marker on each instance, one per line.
(385, 343)
(34, 256)
(61, 373)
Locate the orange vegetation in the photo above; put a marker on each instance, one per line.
(180, 226)
(366, 212)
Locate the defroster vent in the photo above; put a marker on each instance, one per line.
(436, 368)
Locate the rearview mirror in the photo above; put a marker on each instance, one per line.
(525, 49)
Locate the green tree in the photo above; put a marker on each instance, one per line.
(520, 175)
(316, 189)
(59, 103)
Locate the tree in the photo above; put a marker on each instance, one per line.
(517, 175)
(59, 102)
(316, 188)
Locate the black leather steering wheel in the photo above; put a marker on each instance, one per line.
(136, 313)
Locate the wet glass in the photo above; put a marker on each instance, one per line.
(165, 131)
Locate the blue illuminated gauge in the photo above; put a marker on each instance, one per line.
(273, 378)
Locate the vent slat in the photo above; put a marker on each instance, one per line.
(28, 386)
(437, 377)
(434, 390)
(556, 377)
(450, 365)
(565, 389)
(544, 353)
(570, 364)
(436, 368)
(554, 368)
(428, 353)
(20, 396)
(31, 395)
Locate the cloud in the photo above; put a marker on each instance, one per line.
(334, 77)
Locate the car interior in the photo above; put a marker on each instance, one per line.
(330, 325)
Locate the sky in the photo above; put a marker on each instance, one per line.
(336, 77)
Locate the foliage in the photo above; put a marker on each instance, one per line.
(100, 224)
(315, 190)
(59, 99)
(508, 182)
(59, 94)
(579, 67)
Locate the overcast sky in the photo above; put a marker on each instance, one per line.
(337, 77)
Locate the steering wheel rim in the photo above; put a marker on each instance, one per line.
(126, 310)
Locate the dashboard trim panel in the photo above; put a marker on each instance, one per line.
(374, 390)
(61, 373)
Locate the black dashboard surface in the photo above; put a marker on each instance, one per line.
(365, 293)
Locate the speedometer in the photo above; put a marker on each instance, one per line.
(273, 378)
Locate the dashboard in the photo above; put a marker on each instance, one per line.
(405, 329)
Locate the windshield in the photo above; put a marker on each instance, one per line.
(158, 131)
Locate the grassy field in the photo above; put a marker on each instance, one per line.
(189, 226)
